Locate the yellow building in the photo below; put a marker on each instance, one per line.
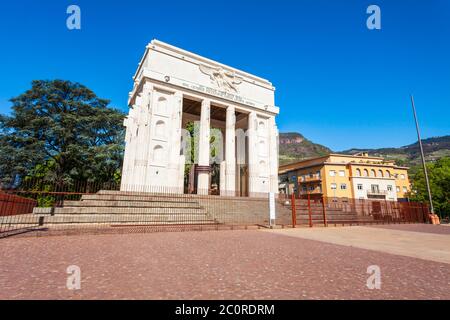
(346, 176)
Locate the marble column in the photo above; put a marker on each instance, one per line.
(128, 157)
(252, 155)
(175, 145)
(273, 155)
(203, 149)
(230, 154)
(142, 139)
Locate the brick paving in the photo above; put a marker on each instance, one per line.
(420, 227)
(421, 245)
(247, 264)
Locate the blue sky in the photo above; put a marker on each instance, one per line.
(337, 82)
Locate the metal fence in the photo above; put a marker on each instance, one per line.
(324, 211)
(11, 204)
(70, 208)
(38, 207)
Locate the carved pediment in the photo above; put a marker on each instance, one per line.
(225, 80)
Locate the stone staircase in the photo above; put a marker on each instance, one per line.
(116, 208)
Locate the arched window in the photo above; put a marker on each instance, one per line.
(262, 147)
(380, 173)
(358, 173)
(161, 105)
(388, 174)
(261, 126)
(372, 173)
(366, 173)
(160, 129)
(158, 153)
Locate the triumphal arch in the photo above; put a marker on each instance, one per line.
(198, 126)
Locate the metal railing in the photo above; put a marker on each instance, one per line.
(323, 211)
(308, 178)
(40, 207)
(69, 207)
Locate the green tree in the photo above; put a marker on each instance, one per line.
(60, 131)
(439, 176)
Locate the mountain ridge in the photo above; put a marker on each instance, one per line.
(295, 147)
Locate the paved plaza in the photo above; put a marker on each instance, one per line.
(318, 263)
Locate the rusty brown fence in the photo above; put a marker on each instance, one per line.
(70, 208)
(11, 204)
(46, 207)
(323, 211)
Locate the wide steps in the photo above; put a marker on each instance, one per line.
(109, 219)
(131, 204)
(118, 210)
(138, 198)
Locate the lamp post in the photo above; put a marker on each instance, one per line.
(422, 155)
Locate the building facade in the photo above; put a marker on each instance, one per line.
(176, 90)
(344, 176)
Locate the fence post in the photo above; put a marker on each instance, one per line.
(325, 223)
(294, 213)
(424, 219)
(309, 211)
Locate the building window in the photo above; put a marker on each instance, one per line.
(372, 173)
(161, 105)
(332, 173)
(157, 153)
(358, 173)
(375, 188)
(261, 126)
(304, 188)
(312, 188)
(341, 173)
(380, 173)
(405, 189)
(160, 128)
(388, 174)
(402, 176)
(366, 173)
(262, 147)
(360, 186)
(398, 189)
(333, 186)
(389, 188)
(343, 186)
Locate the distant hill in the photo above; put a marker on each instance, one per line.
(295, 147)
(409, 155)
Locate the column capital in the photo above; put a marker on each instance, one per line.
(178, 94)
(230, 117)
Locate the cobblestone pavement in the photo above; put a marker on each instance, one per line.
(210, 265)
(420, 227)
(422, 245)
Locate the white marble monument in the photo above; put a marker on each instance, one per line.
(174, 88)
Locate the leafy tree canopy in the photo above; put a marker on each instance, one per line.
(61, 131)
(439, 176)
